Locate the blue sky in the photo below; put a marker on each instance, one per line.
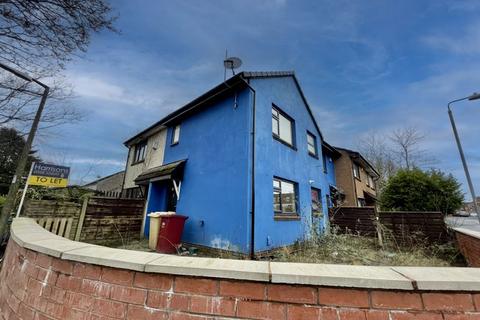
(365, 66)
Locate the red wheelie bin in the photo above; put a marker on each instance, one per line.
(170, 233)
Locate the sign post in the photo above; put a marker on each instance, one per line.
(24, 190)
(47, 175)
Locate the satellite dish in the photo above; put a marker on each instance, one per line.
(232, 63)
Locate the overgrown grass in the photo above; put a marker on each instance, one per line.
(137, 245)
(351, 249)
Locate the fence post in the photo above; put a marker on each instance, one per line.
(81, 219)
(378, 226)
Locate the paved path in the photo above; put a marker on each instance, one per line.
(470, 223)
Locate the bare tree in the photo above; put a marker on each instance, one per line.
(376, 150)
(40, 37)
(407, 148)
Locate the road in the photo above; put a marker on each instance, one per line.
(470, 223)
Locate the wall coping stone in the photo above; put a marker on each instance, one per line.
(468, 232)
(28, 234)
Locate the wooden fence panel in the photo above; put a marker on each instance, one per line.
(106, 219)
(402, 224)
(112, 220)
(359, 220)
(406, 223)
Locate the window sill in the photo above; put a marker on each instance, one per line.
(173, 144)
(286, 217)
(138, 162)
(283, 142)
(313, 155)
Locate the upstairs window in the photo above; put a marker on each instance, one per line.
(284, 197)
(282, 127)
(140, 150)
(312, 145)
(324, 159)
(356, 171)
(176, 134)
(370, 182)
(361, 202)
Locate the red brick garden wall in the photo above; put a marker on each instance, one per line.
(37, 286)
(470, 248)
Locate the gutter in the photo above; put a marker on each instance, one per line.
(252, 209)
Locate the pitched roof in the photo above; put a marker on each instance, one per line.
(355, 155)
(236, 81)
(104, 178)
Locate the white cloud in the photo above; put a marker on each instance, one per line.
(98, 161)
(467, 42)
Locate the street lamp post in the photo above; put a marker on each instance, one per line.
(9, 204)
(474, 96)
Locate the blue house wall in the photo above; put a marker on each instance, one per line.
(216, 189)
(215, 192)
(330, 170)
(276, 159)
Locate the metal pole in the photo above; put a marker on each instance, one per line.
(464, 162)
(22, 161)
(25, 190)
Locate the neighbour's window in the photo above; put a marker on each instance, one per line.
(370, 182)
(361, 202)
(176, 134)
(356, 171)
(282, 127)
(140, 150)
(284, 197)
(311, 144)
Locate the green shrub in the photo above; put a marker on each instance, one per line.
(74, 193)
(417, 190)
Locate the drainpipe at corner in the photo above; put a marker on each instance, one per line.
(252, 209)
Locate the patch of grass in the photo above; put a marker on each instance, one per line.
(351, 249)
(137, 245)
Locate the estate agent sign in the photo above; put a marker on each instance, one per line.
(49, 175)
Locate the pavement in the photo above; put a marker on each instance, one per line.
(470, 223)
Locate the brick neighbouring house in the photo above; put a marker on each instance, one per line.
(355, 177)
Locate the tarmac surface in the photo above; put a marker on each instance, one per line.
(470, 222)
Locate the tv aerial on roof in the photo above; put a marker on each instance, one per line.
(231, 63)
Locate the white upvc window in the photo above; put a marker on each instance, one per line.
(282, 127)
(284, 197)
(312, 144)
(370, 182)
(356, 171)
(139, 152)
(176, 134)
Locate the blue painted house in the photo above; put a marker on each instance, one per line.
(246, 162)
